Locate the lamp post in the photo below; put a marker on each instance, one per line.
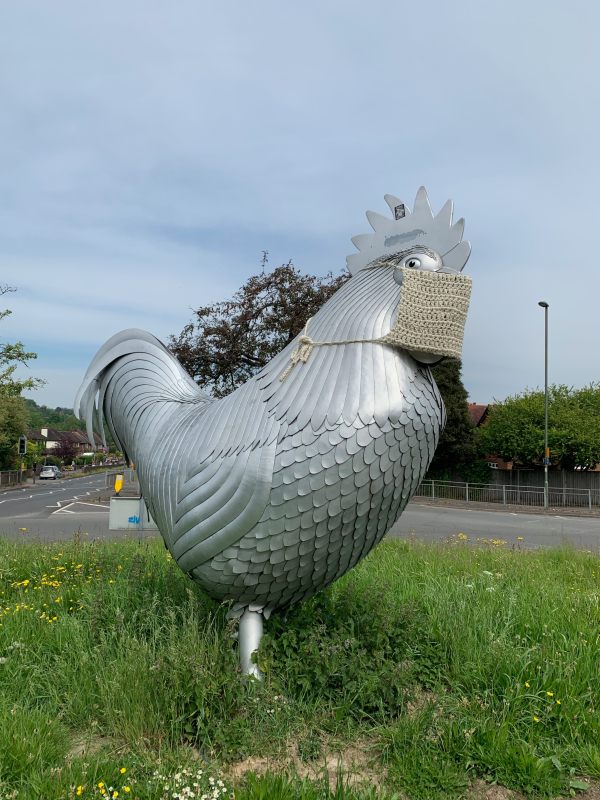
(544, 305)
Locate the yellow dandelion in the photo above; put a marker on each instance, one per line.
(127, 789)
(550, 694)
(123, 770)
(115, 793)
(101, 785)
(527, 685)
(79, 791)
(536, 719)
(558, 702)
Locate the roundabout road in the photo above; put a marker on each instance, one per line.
(58, 511)
(435, 523)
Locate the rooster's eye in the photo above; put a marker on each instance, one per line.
(428, 261)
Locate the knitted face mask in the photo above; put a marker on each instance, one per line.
(432, 312)
(431, 317)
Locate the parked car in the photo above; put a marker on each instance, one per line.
(50, 473)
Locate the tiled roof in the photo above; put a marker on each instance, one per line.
(72, 437)
(477, 412)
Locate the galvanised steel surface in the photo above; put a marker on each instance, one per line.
(268, 495)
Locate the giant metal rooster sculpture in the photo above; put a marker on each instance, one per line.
(268, 495)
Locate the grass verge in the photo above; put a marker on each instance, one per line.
(427, 672)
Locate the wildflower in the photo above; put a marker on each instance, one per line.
(123, 770)
(23, 529)
(520, 538)
(550, 694)
(101, 785)
(79, 791)
(558, 702)
(536, 719)
(127, 789)
(527, 685)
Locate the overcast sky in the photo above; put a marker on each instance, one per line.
(150, 151)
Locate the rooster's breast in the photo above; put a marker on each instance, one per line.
(334, 494)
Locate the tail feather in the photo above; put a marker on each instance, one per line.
(156, 374)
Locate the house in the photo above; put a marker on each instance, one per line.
(54, 441)
(478, 413)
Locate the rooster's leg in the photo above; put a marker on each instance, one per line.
(249, 636)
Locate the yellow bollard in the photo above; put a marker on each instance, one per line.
(118, 483)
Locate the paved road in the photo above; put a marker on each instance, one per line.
(434, 523)
(46, 499)
(56, 511)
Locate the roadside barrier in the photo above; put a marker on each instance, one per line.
(562, 497)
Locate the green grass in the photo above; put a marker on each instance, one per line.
(422, 670)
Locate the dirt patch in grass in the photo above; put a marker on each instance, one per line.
(352, 764)
(480, 790)
(91, 745)
(420, 699)
(593, 793)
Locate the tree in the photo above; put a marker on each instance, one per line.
(13, 423)
(11, 355)
(230, 341)
(515, 428)
(456, 453)
(13, 415)
(65, 450)
(62, 419)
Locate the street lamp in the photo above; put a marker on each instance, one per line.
(544, 305)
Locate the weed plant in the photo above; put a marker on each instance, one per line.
(434, 665)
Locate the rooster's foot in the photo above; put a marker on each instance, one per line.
(249, 636)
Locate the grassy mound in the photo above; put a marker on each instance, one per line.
(425, 673)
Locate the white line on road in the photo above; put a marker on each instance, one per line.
(65, 509)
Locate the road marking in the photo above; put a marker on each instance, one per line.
(65, 509)
(61, 508)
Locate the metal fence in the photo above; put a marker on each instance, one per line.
(129, 476)
(563, 497)
(10, 477)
